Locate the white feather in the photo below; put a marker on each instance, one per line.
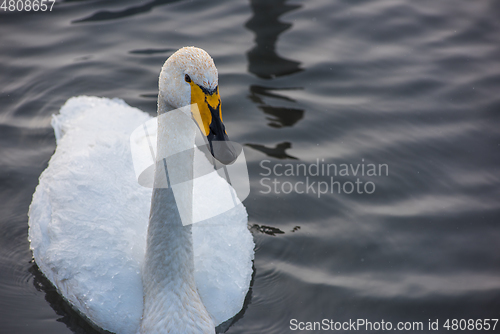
(88, 223)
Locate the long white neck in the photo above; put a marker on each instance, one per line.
(171, 300)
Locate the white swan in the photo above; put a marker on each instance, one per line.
(89, 216)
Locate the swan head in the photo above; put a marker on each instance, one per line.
(189, 77)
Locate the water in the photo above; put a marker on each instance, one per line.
(410, 85)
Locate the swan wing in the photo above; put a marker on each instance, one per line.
(88, 218)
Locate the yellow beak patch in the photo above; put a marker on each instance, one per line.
(207, 103)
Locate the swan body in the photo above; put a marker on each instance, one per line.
(117, 251)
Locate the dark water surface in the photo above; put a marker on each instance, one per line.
(413, 86)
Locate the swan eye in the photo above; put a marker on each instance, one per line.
(187, 78)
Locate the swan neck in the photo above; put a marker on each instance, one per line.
(171, 300)
(163, 106)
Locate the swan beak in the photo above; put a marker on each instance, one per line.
(220, 146)
(206, 110)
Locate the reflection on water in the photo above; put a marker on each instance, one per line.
(68, 316)
(263, 61)
(276, 152)
(282, 116)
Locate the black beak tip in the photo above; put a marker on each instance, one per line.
(224, 151)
